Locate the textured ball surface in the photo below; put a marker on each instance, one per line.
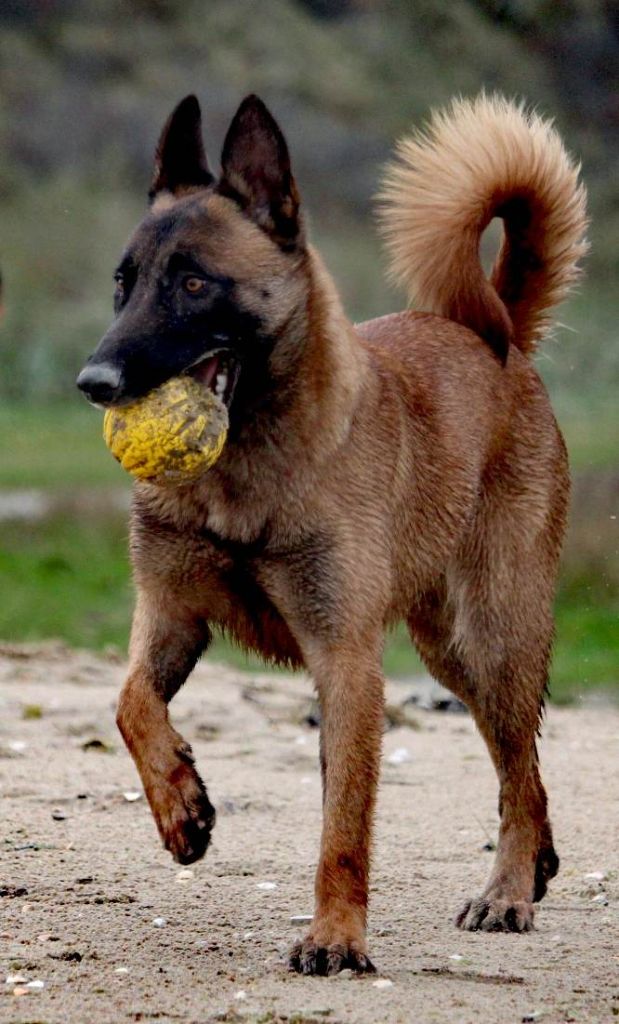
(172, 435)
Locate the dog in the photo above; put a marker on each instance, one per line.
(409, 468)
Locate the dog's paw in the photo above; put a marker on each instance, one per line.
(495, 915)
(307, 957)
(184, 814)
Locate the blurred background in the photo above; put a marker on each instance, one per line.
(85, 86)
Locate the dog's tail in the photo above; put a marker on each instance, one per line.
(478, 160)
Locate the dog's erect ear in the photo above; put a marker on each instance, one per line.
(180, 160)
(256, 172)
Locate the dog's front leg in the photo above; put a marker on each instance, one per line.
(350, 688)
(166, 642)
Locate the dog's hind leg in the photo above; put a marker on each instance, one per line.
(165, 644)
(505, 696)
(507, 712)
(350, 687)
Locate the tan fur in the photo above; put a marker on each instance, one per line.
(399, 471)
(478, 160)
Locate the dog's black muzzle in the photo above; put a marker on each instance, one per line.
(123, 369)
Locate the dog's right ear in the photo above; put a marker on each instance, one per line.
(180, 160)
(256, 173)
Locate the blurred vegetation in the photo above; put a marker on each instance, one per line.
(85, 86)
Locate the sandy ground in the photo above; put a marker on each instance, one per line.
(94, 910)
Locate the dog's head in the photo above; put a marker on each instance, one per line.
(212, 281)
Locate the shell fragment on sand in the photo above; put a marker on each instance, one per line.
(172, 435)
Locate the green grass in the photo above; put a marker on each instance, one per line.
(587, 649)
(590, 430)
(56, 446)
(70, 579)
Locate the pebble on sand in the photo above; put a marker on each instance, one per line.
(266, 886)
(184, 875)
(383, 983)
(159, 922)
(399, 756)
(132, 795)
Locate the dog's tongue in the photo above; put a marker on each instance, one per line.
(206, 371)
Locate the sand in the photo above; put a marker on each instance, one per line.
(93, 908)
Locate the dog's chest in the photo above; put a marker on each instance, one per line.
(268, 580)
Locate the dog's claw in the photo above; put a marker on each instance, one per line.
(546, 867)
(308, 958)
(186, 819)
(495, 916)
(191, 839)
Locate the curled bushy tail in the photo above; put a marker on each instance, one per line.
(481, 159)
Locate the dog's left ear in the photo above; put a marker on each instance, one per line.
(180, 160)
(256, 172)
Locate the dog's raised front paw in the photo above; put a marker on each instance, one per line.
(184, 814)
(496, 915)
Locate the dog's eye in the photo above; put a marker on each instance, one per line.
(193, 285)
(119, 292)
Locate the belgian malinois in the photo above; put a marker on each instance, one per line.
(409, 468)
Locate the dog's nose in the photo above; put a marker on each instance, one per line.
(100, 382)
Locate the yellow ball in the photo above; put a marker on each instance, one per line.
(172, 435)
